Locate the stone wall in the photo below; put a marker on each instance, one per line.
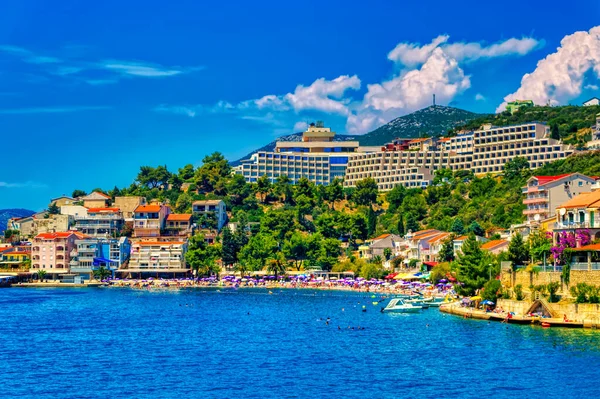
(574, 311)
(527, 279)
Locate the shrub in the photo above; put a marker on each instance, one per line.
(552, 289)
(491, 289)
(580, 292)
(519, 292)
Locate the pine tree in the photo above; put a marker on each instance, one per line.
(554, 132)
(476, 229)
(457, 226)
(473, 270)
(53, 209)
(400, 225)
(371, 221)
(518, 253)
(411, 222)
(446, 253)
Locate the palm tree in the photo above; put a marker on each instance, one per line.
(277, 265)
(242, 267)
(41, 275)
(102, 273)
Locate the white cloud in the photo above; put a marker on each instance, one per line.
(26, 184)
(300, 126)
(560, 76)
(141, 69)
(116, 69)
(411, 90)
(51, 110)
(479, 97)
(591, 87)
(323, 95)
(413, 54)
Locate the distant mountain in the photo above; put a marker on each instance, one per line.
(6, 214)
(433, 120)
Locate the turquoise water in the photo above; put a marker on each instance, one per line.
(120, 343)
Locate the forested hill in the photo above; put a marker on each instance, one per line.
(435, 120)
(430, 121)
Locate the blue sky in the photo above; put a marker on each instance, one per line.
(89, 91)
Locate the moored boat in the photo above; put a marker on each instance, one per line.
(397, 305)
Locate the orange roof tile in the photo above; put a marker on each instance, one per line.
(493, 244)
(381, 237)
(585, 200)
(590, 247)
(96, 210)
(461, 238)
(53, 236)
(147, 208)
(180, 217)
(438, 237)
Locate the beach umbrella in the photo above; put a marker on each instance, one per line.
(443, 280)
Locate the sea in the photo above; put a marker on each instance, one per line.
(252, 343)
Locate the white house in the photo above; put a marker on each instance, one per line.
(592, 101)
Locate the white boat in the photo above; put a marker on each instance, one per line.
(397, 305)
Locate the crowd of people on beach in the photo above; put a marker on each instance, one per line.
(296, 282)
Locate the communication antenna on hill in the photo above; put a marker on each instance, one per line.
(434, 100)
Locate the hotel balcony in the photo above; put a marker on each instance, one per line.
(535, 200)
(567, 225)
(533, 189)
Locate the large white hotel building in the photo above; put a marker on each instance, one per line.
(483, 151)
(317, 157)
(410, 162)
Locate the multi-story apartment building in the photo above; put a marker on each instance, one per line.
(149, 220)
(156, 257)
(179, 224)
(483, 151)
(211, 207)
(544, 193)
(580, 213)
(100, 222)
(92, 253)
(52, 251)
(317, 157)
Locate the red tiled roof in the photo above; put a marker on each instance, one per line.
(96, 210)
(147, 208)
(461, 238)
(179, 217)
(62, 234)
(547, 179)
(590, 247)
(438, 237)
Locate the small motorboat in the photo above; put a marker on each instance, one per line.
(397, 305)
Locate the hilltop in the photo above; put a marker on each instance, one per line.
(6, 214)
(430, 121)
(434, 120)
